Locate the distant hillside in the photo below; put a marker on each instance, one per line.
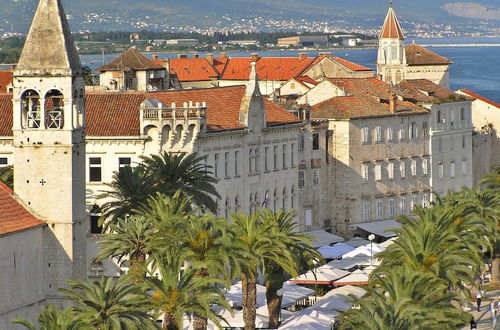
(99, 15)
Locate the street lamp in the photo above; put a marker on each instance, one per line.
(371, 237)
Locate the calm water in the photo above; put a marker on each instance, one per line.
(474, 68)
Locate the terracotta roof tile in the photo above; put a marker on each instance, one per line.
(480, 97)
(5, 80)
(13, 216)
(193, 69)
(6, 114)
(391, 28)
(131, 58)
(425, 91)
(268, 68)
(418, 55)
(351, 65)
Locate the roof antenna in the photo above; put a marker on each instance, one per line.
(390, 3)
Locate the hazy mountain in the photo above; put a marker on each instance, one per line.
(123, 14)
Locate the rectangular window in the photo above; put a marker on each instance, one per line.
(413, 167)
(292, 154)
(302, 179)
(441, 170)
(412, 131)
(452, 169)
(365, 135)
(226, 164)
(256, 160)
(402, 131)
(301, 142)
(378, 208)
(452, 118)
(124, 162)
(266, 157)
(275, 157)
(464, 167)
(402, 204)
(236, 164)
(392, 207)
(315, 177)
(463, 141)
(390, 133)
(366, 211)
(462, 114)
(216, 165)
(413, 201)
(390, 170)
(95, 169)
(402, 168)
(439, 117)
(284, 155)
(378, 134)
(425, 166)
(425, 130)
(3, 161)
(364, 172)
(94, 224)
(425, 200)
(378, 172)
(315, 141)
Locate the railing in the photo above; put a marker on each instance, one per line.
(54, 118)
(33, 118)
(170, 113)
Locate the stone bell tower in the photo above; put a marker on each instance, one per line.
(49, 141)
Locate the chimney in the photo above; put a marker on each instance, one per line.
(210, 58)
(302, 56)
(196, 55)
(155, 57)
(254, 57)
(325, 54)
(182, 56)
(393, 103)
(223, 55)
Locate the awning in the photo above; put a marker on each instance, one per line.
(322, 238)
(335, 251)
(379, 227)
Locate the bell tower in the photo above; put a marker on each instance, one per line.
(391, 59)
(49, 140)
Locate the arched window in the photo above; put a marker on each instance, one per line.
(236, 203)
(250, 210)
(228, 208)
(250, 161)
(275, 201)
(96, 268)
(266, 200)
(283, 204)
(54, 109)
(292, 198)
(30, 108)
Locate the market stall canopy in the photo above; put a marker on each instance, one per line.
(335, 251)
(358, 277)
(357, 242)
(390, 241)
(338, 299)
(349, 263)
(235, 293)
(322, 238)
(236, 320)
(324, 275)
(379, 227)
(366, 250)
(310, 319)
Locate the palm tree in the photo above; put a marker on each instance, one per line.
(261, 245)
(177, 292)
(50, 318)
(298, 244)
(106, 304)
(170, 172)
(7, 176)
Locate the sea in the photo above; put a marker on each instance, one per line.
(476, 61)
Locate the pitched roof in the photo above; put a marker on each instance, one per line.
(117, 114)
(5, 80)
(194, 69)
(49, 44)
(351, 65)
(391, 28)
(13, 216)
(130, 59)
(425, 91)
(418, 55)
(480, 97)
(268, 68)
(365, 97)
(306, 81)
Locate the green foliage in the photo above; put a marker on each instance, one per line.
(50, 318)
(7, 176)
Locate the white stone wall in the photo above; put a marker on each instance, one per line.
(321, 92)
(438, 74)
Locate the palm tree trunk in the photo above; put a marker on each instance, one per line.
(249, 300)
(199, 323)
(169, 322)
(273, 305)
(495, 265)
(137, 270)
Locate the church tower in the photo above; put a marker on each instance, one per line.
(391, 59)
(49, 141)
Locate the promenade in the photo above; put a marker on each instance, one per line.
(483, 317)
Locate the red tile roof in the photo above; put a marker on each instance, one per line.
(480, 97)
(306, 81)
(117, 114)
(131, 58)
(391, 28)
(13, 216)
(5, 80)
(418, 55)
(268, 68)
(351, 65)
(425, 91)
(193, 69)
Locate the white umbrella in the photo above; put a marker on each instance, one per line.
(349, 263)
(357, 242)
(335, 251)
(336, 299)
(358, 277)
(293, 293)
(310, 319)
(366, 250)
(322, 275)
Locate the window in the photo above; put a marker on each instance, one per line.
(378, 208)
(123, 162)
(464, 167)
(94, 224)
(226, 164)
(425, 166)
(463, 142)
(439, 119)
(402, 204)
(275, 157)
(390, 133)
(365, 135)
(378, 133)
(292, 154)
(378, 172)
(315, 141)
(283, 200)
(3, 161)
(425, 130)
(237, 204)
(284, 155)
(413, 131)
(452, 118)
(390, 170)
(364, 172)
(441, 170)
(392, 207)
(452, 169)
(301, 142)
(413, 201)
(216, 164)
(236, 165)
(315, 177)
(302, 179)
(425, 200)
(366, 210)
(275, 201)
(256, 160)
(413, 167)
(462, 114)
(402, 131)
(292, 198)
(227, 209)
(266, 156)
(95, 169)
(402, 168)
